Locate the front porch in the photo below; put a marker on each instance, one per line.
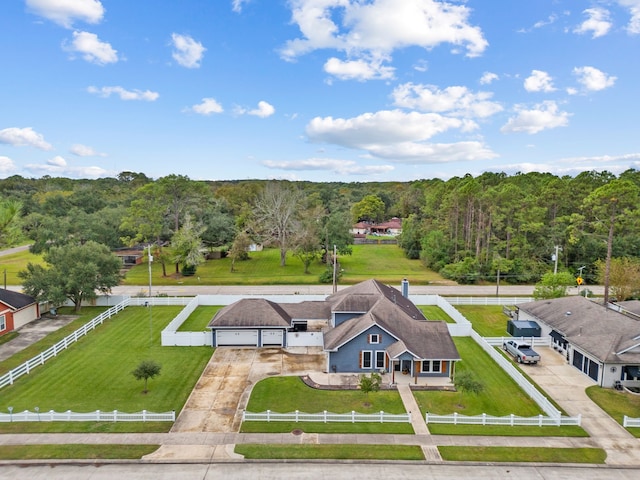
(350, 381)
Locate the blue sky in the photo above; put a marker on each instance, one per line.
(319, 90)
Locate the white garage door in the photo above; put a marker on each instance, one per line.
(236, 337)
(272, 337)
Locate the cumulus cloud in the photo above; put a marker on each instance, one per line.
(264, 110)
(633, 27)
(58, 166)
(89, 46)
(85, 151)
(373, 30)
(187, 52)
(24, 137)
(207, 106)
(543, 116)
(64, 13)
(429, 153)
(358, 69)
(342, 167)
(539, 81)
(6, 165)
(593, 79)
(598, 22)
(124, 94)
(488, 78)
(456, 100)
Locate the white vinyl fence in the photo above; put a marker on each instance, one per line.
(97, 416)
(631, 422)
(546, 341)
(510, 420)
(327, 417)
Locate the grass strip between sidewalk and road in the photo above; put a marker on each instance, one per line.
(332, 452)
(523, 454)
(75, 452)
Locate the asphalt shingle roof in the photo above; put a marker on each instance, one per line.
(15, 300)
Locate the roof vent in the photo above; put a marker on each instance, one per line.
(568, 313)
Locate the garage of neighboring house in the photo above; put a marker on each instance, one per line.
(227, 338)
(16, 310)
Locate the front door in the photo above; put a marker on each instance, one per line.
(405, 367)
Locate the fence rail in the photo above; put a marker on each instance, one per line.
(488, 300)
(630, 422)
(510, 420)
(24, 369)
(97, 416)
(533, 341)
(327, 417)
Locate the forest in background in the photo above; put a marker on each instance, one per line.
(469, 229)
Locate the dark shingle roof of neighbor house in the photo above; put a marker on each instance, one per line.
(15, 300)
(308, 310)
(251, 312)
(632, 306)
(429, 340)
(609, 336)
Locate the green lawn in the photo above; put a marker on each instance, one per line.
(488, 321)
(518, 454)
(75, 451)
(15, 262)
(386, 263)
(617, 404)
(333, 452)
(267, 395)
(95, 373)
(199, 319)
(433, 312)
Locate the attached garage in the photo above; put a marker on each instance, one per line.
(227, 338)
(271, 338)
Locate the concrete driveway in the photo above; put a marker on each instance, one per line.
(217, 401)
(566, 385)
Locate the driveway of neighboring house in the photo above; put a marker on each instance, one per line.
(218, 399)
(32, 332)
(566, 385)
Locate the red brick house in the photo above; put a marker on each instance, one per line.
(16, 310)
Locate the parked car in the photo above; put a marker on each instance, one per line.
(522, 352)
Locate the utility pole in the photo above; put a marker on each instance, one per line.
(150, 317)
(555, 258)
(335, 258)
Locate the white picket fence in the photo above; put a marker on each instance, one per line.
(327, 417)
(510, 420)
(97, 416)
(630, 422)
(24, 369)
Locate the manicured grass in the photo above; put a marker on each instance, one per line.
(488, 321)
(8, 337)
(518, 454)
(433, 312)
(75, 452)
(507, 431)
(617, 404)
(267, 395)
(95, 373)
(335, 452)
(199, 319)
(85, 315)
(386, 263)
(15, 262)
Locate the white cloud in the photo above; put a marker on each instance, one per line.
(65, 12)
(91, 48)
(187, 52)
(373, 30)
(58, 166)
(343, 167)
(236, 5)
(22, 137)
(456, 100)
(572, 166)
(85, 151)
(358, 69)
(264, 110)
(542, 117)
(6, 165)
(488, 78)
(598, 22)
(539, 81)
(633, 27)
(593, 79)
(428, 153)
(124, 94)
(207, 107)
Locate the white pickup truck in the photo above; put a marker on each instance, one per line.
(522, 352)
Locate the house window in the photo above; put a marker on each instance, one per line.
(380, 359)
(431, 366)
(3, 323)
(366, 358)
(374, 338)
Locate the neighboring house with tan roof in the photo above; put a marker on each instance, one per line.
(600, 342)
(368, 327)
(16, 310)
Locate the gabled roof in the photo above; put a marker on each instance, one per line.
(308, 310)
(604, 333)
(251, 312)
(15, 300)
